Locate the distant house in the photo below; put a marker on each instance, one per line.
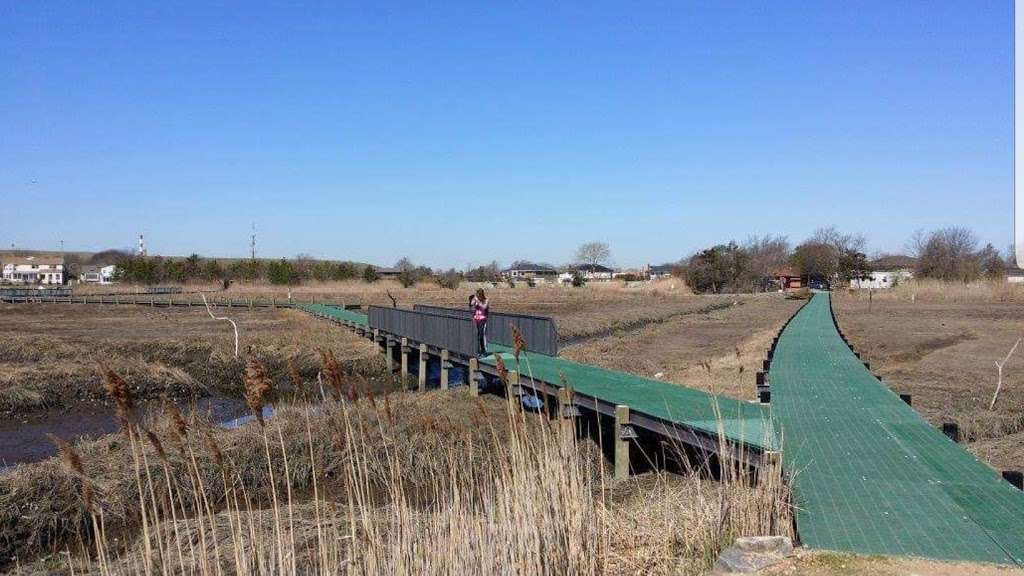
(530, 271)
(1015, 275)
(788, 279)
(34, 270)
(388, 272)
(659, 272)
(97, 274)
(594, 271)
(888, 271)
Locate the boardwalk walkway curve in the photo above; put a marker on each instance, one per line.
(869, 474)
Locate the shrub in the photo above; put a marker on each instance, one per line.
(370, 274)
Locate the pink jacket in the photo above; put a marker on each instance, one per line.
(479, 310)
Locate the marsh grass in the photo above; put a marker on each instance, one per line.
(435, 483)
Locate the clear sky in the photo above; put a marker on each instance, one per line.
(469, 132)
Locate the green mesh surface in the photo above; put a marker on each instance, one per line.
(870, 475)
(336, 312)
(737, 420)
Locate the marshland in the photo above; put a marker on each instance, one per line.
(351, 473)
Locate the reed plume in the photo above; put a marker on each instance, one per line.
(154, 440)
(296, 377)
(258, 387)
(518, 342)
(499, 365)
(330, 369)
(214, 449)
(120, 393)
(73, 461)
(179, 428)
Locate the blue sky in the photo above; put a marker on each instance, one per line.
(469, 132)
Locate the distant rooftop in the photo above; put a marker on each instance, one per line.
(530, 267)
(893, 262)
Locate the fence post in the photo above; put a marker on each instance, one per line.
(405, 360)
(444, 369)
(474, 384)
(422, 376)
(621, 442)
(273, 303)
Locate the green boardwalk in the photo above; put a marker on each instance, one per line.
(740, 421)
(870, 475)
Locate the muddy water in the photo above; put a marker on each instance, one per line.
(23, 438)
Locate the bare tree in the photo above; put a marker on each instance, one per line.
(593, 253)
(948, 254)
(767, 254)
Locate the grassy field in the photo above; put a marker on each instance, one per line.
(941, 347)
(50, 353)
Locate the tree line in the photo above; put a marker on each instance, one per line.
(159, 270)
(951, 254)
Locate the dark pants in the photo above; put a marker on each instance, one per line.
(481, 337)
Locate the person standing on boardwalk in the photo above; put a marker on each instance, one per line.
(480, 307)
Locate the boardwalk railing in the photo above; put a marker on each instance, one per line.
(451, 332)
(539, 332)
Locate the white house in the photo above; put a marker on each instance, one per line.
(98, 274)
(888, 272)
(882, 279)
(34, 270)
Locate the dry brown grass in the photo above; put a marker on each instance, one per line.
(595, 308)
(48, 353)
(925, 290)
(346, 490)
(719, 351)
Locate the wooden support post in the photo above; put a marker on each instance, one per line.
(770, 459)
(251, 304)
(474, 384)
(390, 355)
(444, 369)
(405, 360)
(422, 376)
(512, 388)
(566, 413)
(273, 303)
(621, 443)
